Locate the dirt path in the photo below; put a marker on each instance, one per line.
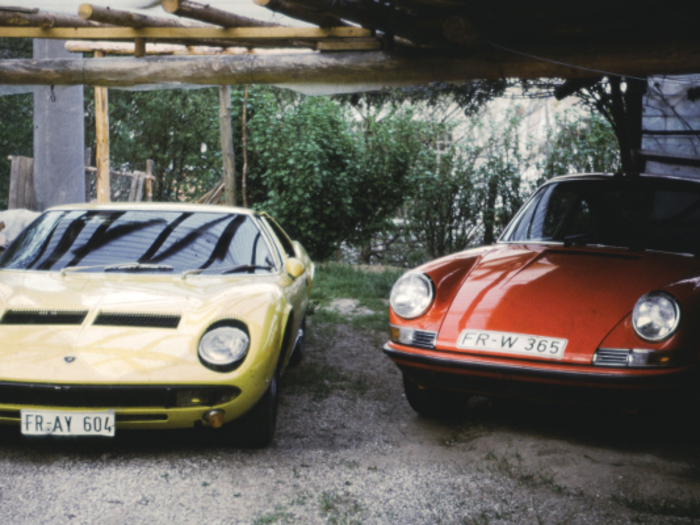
(350, 450)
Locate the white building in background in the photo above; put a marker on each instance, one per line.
(671, 125)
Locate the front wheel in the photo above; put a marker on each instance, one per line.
(434, 402)
(256, 428)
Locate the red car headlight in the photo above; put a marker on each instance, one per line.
(656, 316)
(412, 295)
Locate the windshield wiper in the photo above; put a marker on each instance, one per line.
(230, 269)
(138, 267)
(128, 266)
(245, 268)
(578, 238)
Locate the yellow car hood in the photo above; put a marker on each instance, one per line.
(124, 352)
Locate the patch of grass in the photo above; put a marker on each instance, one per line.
(339, 509)
(676, 508)
(376, 321)
(337, 281)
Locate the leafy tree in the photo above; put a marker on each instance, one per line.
(579, 144)
(16, 118)
(444, 212)
(178, 129)
(327, 179)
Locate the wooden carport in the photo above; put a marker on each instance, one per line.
(360, 44)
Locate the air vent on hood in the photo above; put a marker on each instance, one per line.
(62, 317)
(139, 320)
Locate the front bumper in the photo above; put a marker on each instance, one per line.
(135, 406)
(571, 385)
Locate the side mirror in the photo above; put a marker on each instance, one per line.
(294, 267)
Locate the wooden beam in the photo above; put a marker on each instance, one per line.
(205, 13)
(114, 173)
(118, 17)
(126, 48)
(43, 20)
(292, 11)
(372, 67)
(102, 139)
(349, 44)
(258, 34)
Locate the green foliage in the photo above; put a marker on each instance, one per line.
(177, 129)
(325, 179)
(336, 281)
(16, 114)
(579, 145)
(501, 171)
(443, 214)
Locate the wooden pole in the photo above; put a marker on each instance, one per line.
(88, 163)
(244, 140)
(227, 144)
(43, 20)
(102, 139)
(149, 180)
(211, 15)
(117, 17)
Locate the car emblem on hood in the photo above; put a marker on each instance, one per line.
(69, 359)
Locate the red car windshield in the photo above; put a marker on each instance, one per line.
(140, 240)
(638, 213)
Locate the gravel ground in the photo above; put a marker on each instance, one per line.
(350, 450)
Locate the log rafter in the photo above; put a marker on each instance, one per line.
(347, 68)
(211, 15)
(117, 17)
(43, 20)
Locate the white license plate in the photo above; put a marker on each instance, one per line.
(67, 423)
(519, 344)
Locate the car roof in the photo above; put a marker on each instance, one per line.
(153, 206)
(629, 176)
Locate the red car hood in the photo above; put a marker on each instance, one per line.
(578, 294)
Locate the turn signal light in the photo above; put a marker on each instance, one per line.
(215, 418)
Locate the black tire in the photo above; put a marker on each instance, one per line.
(256, 429)
(299, 347)
(434, 403)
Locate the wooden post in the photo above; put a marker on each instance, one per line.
(149, 180)
(88, 163)
(244, 139)
(227, 144)
(21, 183)
(139, 47)
(102, 139)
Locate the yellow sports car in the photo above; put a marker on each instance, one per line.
(144, 316)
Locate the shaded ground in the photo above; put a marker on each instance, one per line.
(350, 450)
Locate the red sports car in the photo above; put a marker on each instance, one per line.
(591, 295)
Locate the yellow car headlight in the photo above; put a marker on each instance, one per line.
(223, 348)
